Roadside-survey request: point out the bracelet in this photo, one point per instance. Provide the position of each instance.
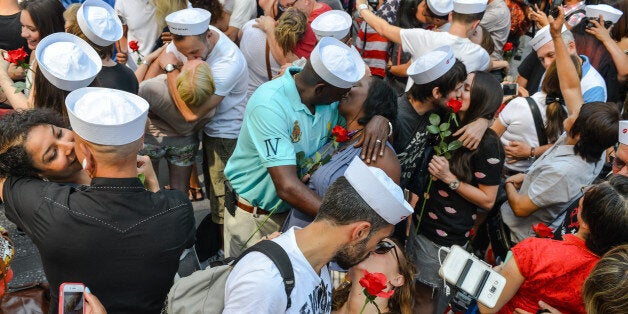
(146, 62)
(390, 132)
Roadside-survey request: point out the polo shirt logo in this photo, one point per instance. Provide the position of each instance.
(296, 132)
(270, 146)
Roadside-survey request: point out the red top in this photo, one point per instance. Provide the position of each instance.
(305, 46)
(555, 272)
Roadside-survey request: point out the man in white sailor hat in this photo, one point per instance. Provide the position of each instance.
(194, 38)
(465, 18)
(621, 155)
(358, 211)
(289, 116)
(592, 83)
(99, 24)
(334, 23)
(111, 234)
(610, 14)
(435, 14)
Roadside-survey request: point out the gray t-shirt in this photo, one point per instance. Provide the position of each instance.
(497, 21)
(553, 182)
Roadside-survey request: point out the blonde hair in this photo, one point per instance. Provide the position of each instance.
(165, 7)
(69, 15)
(196, 85)
(606, 289)
(290, 29)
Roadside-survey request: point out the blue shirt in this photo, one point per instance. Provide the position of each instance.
(276, 126)
(66, 3)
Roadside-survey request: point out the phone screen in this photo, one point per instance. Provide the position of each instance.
(72, 302)
(510, 89)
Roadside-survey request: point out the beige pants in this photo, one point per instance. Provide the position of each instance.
(239, 229)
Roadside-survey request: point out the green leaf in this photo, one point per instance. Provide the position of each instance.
(317, 157)
(446, 133)
(447, 155)
(437, 149)
(453, 115)
(444, 126)
(454, 145)
(432, 129)
(442, 146)
(434, 119)
(19, 87)
(326, 159)
(142, 178)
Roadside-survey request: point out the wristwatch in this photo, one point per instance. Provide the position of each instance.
(169, 67)
(363, 6)
(532, 157)
(454, 185)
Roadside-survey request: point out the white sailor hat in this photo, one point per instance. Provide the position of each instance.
(99, 22)
(337, 63)
(440, 7)
(67, 61)
(470, 6)
(609, 13)
(383, 195)
(432, 65)
(107, 116)
(623, 132)
(334, 23)
(542, 37)
(188, 22)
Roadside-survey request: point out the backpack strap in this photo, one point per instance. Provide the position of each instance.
(538, 121)
(281, 259)
(573, 13)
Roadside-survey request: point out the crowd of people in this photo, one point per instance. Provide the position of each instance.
(365, 138)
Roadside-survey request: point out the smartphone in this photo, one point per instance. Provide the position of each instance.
(71, 298)
(510, 89)
(472, 276)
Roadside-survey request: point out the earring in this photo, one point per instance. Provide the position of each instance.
(84, 163)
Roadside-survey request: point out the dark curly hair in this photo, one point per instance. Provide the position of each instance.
(15, 126)
(213, 6)
(380, 100)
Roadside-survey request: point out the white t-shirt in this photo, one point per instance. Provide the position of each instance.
(520, 127)
(255, 284)
(419, 41)
(242, 11)
(253, 47)
(139, 16)
(231, 79)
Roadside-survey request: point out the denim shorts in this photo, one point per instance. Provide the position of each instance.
(424, 255)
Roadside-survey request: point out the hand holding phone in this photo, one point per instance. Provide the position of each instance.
(71, 298)
(510, 89)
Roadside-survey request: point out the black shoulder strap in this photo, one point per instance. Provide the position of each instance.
(281, 259)
(575, 12)
(538, 121)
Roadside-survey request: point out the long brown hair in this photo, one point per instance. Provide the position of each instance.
(554, 112)
(400, 302)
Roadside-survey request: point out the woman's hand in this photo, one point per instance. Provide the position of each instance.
(516, 151)
(121, 57)
(92, 304)
(539, 17)
(167, 58)
(598, 30)
(265, 23)
(4, 64)
(373, 142)
(166, 37)
(472, 133)
(439, 168)
(517, 180)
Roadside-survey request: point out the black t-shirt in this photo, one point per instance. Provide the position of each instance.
(10, 36)
(532, 70)
(117, 238)
(448, 217)
(118, 77)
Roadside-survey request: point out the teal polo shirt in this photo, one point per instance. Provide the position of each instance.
(276, 126)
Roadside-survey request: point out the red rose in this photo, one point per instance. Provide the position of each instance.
(340, 134)
(543, 231)
(507, 47)
(16, 56)
(374, 283)
(134, 45)
(454, 104)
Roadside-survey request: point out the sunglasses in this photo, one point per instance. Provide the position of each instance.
(384, 247)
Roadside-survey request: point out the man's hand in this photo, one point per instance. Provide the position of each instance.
(538, 16)
(145, 167)
(121, 57)
(556, 24)
(517, 180)
(516, 151)
(167, 58)
(374, 140)
(472, 133)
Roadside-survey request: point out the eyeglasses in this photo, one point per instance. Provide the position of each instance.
(384, 247)
(289, 5)
(617, 163)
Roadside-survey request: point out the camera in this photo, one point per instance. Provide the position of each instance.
(373, 4)
(553, 11)
(607, 24)
(473, 276)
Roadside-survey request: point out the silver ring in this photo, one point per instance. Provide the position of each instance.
(378, 141)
